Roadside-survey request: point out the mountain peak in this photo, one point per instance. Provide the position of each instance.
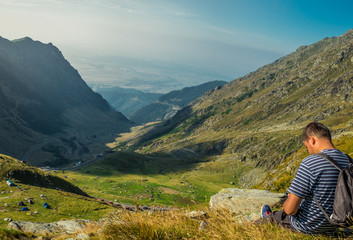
(24, 39)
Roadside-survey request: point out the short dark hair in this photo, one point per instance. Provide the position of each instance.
(316, 129)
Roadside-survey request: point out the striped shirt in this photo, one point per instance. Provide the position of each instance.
(316, 177)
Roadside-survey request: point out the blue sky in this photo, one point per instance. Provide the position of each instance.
(186, 42)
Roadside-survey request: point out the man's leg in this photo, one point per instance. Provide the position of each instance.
(278, 217)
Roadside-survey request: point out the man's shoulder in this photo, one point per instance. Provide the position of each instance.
(315, 159)
(311, 159)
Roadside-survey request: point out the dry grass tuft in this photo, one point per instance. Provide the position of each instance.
(175, 225)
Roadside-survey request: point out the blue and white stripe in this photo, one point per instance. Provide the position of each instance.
(316, 177)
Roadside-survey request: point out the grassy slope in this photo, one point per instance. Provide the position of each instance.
(69, 205)
(150, 180)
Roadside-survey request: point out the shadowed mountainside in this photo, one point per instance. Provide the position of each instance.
(127, 101)
(46, 108)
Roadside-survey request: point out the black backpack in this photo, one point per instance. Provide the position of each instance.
(342, 215)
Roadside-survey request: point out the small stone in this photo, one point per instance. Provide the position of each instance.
(203, 226)
(82, 236)
(7, 205)
(8, 219)
(231, 183)
(196, 214)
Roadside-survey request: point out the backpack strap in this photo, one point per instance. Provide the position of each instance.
(330, 159)
(322, 210)
(335, 164)
(350, 160)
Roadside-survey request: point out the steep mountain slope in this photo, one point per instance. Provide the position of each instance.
(46, 107)
(256, 120)
(167, 105)
(127, 101)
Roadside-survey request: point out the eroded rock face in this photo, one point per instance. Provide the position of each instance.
(244, 201)
(68, 226)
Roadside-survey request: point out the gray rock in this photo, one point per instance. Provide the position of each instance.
(35, 227)
(8, 219)
(68, 226)
(243, 201)
(248, 218)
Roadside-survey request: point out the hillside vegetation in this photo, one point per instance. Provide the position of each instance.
(67, 201)
(255, 121)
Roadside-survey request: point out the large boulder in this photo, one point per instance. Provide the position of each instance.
(244, 201)
(67, 226)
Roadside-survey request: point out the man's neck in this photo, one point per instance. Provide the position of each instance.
(325, 146)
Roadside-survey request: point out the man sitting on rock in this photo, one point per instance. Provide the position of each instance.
(315, 177)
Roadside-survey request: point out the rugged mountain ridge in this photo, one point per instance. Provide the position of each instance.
(255, 121)
(127, 101)
(46, 107)
(167, 105)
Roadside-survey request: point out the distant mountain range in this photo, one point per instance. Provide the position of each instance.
(48, 114)
(126, 100)
(254, 122)
(168, 104)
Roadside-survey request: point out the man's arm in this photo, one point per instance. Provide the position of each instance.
(291, 205)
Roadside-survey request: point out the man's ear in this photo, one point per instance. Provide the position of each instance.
(312, 140)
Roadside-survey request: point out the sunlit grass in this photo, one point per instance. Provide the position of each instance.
(176, 225)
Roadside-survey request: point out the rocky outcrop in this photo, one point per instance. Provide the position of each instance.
(67, 226)
(244, 201)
